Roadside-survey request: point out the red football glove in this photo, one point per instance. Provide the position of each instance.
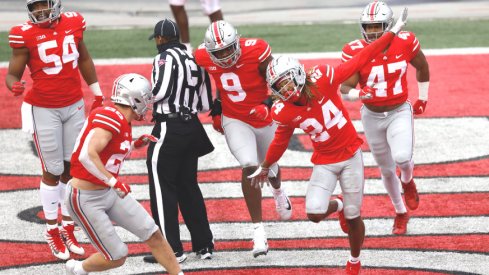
(367, 93)
(122, 189)
(97, 102)
(419, 106)
(18, 88)
(259, 112)
(217, 124)
(143, 141)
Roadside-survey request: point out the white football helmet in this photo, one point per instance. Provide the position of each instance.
(221, 42)
(286, 68)
(133, 90)
(376, 12)
(46, 16)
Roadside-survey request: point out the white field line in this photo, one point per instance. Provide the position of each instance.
(304, 56)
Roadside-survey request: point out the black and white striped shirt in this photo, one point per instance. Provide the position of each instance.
(178, 82)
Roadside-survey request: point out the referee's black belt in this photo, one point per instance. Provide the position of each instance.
(182, 116)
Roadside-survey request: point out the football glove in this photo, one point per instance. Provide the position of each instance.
(18, 88)
(121, 188)
(419, 106)
(217, 124)
(400, 23)
(97, 102)
(259, 177)
(367, 93)
(143, 141)
(259, 112)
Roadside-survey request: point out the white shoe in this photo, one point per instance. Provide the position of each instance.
(260, 244)
(55, 242)
(282, 204)
(69, 237)
(70, 268)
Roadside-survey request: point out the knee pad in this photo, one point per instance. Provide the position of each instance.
(121, 252)
(351, 211)
(402, 158)
(315, 206)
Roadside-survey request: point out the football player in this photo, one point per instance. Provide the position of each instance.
(51, 45)
(387, 116)
(96, 198)
(311, 102)
(238, 66)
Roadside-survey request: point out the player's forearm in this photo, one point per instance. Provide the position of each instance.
(87, 70)
(10, 80)
(92, 162)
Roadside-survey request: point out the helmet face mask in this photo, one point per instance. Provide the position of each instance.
(221, 42)
(286, 78)
(378, 16)
(133, 90)
(47, 15)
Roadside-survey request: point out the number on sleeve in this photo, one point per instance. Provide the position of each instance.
(357, 44)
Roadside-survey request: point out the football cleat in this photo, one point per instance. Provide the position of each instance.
(411, 194)
(70, 268)
(353, 268)
(260, 244)
(181, 257)
(400, 224)
(69, 237)
(55, 242)
(282, 205)
(341, 218)
(205, 253)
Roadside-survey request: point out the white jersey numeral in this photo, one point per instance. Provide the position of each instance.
(377, 78)
(230, 83)
(115, 161)
(70, 54)
(316, 130)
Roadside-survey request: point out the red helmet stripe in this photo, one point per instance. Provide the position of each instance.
(372, 10)
(215, 31)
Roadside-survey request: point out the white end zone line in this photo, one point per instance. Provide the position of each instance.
(304, 56)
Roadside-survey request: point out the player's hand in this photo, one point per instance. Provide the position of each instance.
(367, 93)
(97, 102)
(18, 88)
(419, 106)
(144, 140)
(121, 188)
(217, 124)
(401, 22)
(259, 112)
(259, 177)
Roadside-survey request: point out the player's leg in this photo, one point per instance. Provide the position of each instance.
(400, 135)
(73, 118)
(88, 208)
(130, 215)
(212, 9)
(241, 141)
(48, 139)
(264, 137)
(180, 14)
(321, 185)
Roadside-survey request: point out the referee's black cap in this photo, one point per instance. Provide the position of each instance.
(167, 28)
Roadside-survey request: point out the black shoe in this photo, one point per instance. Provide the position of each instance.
(205, 253)
(150, 259)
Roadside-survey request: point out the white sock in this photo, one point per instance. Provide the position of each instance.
(51, 226)
(406, 171)
(354, 260)
(65, 223)
(340, 205)
(79, 268)
(49, 200)
(62, 192)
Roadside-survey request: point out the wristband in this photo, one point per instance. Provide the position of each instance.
(112, 182)
(353, 94)
(423, 90)
(95, 88)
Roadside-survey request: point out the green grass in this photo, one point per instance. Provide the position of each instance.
(453, 33)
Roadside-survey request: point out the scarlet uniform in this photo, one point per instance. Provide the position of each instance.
(387, 72)
(53, 60)
(113, 154)
(325, 119)
(241, 86)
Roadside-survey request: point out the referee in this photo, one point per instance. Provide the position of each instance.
(181, 90)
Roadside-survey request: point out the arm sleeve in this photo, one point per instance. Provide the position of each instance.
(279, 143)
(16, 38)
(163, 76)
(343, 71)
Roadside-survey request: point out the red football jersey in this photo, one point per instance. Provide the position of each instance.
(324, 118)
(113, 154)
(53, 60)
(241, 87)
(387, 72)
